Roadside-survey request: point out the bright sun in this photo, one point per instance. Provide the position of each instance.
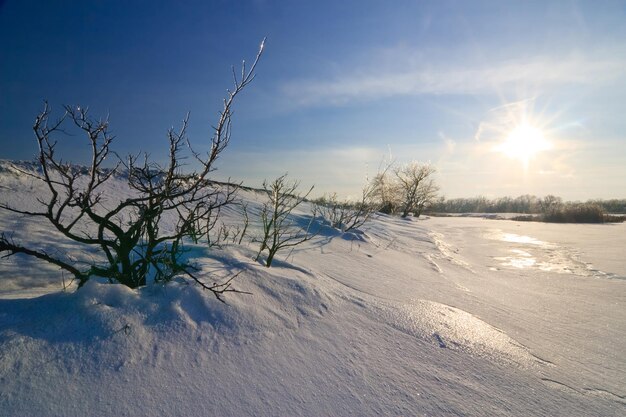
(523, 143)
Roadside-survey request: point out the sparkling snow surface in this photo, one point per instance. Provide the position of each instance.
(438, 316)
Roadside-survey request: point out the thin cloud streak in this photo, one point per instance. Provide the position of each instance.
(485, 79)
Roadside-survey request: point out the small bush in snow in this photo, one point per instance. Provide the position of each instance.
(345, 215)
(282, 229)
(130, 233)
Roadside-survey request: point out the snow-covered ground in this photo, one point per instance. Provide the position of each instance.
(441, 317)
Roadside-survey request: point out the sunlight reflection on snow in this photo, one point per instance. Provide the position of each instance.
(513, 238)
(522, 259)
(537, 254)
(456, 329)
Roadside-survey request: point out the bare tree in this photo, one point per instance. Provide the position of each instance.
(128, 233)
(427, 193)
(416, 186)
(280, 228)
(385, 189)
(550, 205)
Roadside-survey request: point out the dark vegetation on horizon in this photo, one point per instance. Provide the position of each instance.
(532, 208)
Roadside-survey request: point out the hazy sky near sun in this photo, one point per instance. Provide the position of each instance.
(341, 86)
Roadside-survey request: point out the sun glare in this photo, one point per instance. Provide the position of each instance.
(523, 143)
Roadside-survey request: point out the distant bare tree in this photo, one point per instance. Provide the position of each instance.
(550, 205)
(417, 187)
(280, 228)
(427, 196)
(128, 232)
(385, 190)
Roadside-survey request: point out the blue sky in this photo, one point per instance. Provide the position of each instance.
(341, 86)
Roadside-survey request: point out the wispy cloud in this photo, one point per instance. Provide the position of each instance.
(449, 143)
(500, 120)
(494, 77)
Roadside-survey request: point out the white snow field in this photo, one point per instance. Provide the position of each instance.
(437, 317)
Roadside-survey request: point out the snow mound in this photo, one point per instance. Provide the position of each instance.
(452, 328)
(165, 345)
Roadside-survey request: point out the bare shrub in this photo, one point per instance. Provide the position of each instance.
(129, 233)
(280, 228)
(345, 215)
(576, 213)
(385, 190)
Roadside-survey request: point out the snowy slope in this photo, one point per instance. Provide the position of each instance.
(442, 317)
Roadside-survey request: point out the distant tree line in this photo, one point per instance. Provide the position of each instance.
(549, 208)
(523, 204)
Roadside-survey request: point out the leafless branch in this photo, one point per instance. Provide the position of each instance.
(279, 228)
(128, 232)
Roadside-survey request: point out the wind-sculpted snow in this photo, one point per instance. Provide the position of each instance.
(447, 252)
(451, 328)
